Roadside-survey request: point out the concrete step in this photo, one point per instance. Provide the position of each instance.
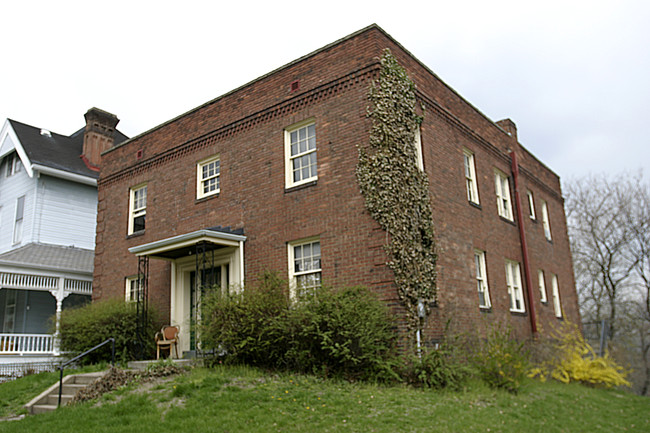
(48, 400)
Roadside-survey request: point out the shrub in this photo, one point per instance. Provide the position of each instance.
(439, 368)
(572, 359)
(344, 332)
(85, 327)
(501, 360)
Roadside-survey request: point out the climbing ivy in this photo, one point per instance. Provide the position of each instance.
(396, 191)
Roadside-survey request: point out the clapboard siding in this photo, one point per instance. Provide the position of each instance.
(67, 213)
(11, 188)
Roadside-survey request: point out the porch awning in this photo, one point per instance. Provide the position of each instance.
(183, 245)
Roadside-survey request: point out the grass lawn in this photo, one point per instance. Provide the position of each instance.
(239, 399)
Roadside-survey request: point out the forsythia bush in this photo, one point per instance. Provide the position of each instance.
(501, 361)
(574, 360)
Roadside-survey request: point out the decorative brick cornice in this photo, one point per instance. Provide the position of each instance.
(311, 97)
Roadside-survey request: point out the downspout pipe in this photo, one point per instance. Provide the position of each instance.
(524, 245)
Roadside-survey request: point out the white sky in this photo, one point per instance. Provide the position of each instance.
(574, 75)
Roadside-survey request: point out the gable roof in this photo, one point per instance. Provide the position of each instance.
(51, 257)
(54, 150)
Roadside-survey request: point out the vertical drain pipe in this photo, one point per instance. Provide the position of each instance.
(524, 245)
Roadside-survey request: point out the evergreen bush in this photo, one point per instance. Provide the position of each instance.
(85, 327)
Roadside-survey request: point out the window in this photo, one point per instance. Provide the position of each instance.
(133, 290)
(137, 209)
(208, 174)
(531, 205)
(418, 149)
(502, 187)
(300, 151)
(304, 267)
(545, 221)
(542, 286)
(481, 279)
(556, 297)
(18, 224)
(14, 165)
(470, 176)
(513, 280)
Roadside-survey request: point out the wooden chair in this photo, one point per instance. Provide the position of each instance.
(166, 338)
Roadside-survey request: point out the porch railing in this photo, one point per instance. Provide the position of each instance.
(22, 344)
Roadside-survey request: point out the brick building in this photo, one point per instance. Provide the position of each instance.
(263, 178)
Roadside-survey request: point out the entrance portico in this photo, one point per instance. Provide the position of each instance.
(200, 260)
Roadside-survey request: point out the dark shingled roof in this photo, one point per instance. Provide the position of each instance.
(50, 256)
(56, 151)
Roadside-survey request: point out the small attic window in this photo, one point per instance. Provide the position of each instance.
(295, 85)
(46, 133)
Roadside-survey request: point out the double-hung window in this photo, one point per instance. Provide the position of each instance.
(300, 151)
(481, 279)
(502, 188)
(208, 177)
(513, 281)
(14, 165)
(531, 205)
(556, 297)
(133, 289)
(470, 176)
(542, 286)
(137, 209)
(304, 267)
(18, 222)
(545, 221)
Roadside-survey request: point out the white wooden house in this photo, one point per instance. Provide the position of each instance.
(48, 211)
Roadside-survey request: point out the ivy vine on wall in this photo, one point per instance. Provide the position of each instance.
(396, 191)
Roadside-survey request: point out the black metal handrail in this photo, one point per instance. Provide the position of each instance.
(111, 340)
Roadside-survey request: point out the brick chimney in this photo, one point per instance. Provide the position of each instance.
(508, 126)
(98, 136)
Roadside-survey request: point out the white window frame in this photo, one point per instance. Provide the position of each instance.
(502, 189)
(418, 149)
(481, 279)
(545, 221)
(295, 276)
(557, 305)
(542, 286)
(515, 289)
(19, 220)
(137, 212)
(212, 180)
(290, 158)
(14, 164)
(531, 205)
(129, 290)
(470, 176)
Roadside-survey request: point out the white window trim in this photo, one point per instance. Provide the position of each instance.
(481, 278)
(288, 159)
(470, 182)
(418, 149)
(542, 286)
(127, 289)
(19, 221)
(134, 213)
(545, 221)
(557, 306)
(515, 290)
(200, 180)
(293, 282)
(531, 205)
(502, 189)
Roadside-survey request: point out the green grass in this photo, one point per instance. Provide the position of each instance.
(239, 399)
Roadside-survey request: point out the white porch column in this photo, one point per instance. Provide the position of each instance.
(59, 294)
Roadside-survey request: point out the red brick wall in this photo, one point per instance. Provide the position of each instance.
(245, 128)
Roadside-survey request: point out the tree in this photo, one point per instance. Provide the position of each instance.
(609, 228)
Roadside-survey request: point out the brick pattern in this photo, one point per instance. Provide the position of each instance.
(245, 128)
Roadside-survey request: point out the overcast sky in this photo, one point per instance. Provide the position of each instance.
(574, 75)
